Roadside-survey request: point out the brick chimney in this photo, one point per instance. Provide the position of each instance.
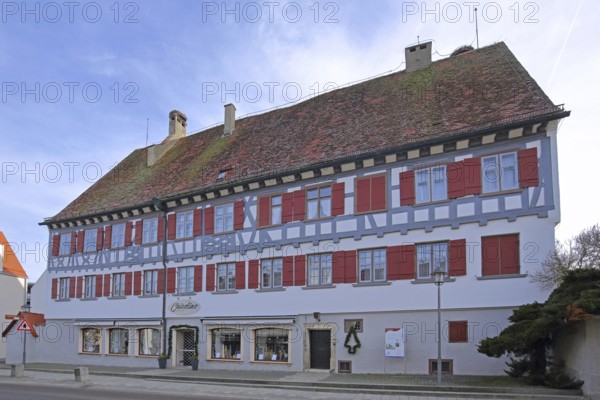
(418, 56)
(229, 119)
(177, 124)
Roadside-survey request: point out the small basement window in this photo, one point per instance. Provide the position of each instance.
(446, 367)
(344, 367)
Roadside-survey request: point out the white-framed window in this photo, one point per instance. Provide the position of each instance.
(90, 287)
(63, 292)
(118, 285)
(149, 230)
(372, 265)
(500, 172)
(90, 340)
(185, 280)
(89, 240)
(271, 273)
(65, 244)
(118, 341)
(150, 282)
(430, 257)
(276, 210)
(318, 202)
(319, 269)
(224, 218)
(149, 342)
(118, 236)
(226, 276)
(271, 344)
(226, 343)
(431, 184)
(185, 224)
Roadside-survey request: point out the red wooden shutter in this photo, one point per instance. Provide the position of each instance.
(128, 231)
(300, 270)
(240, 275)
(137, 283)
(393, 258)
(456, 180)
(238, 215)
(98, 286)
(80, 241)
(107, 237)
(363, 195)
(458, 331)
(528, 168)
(472, 173)
(160, 282)
(253, 274)
(79, 287)
(338, 198)
(287, 207)
(338, 266)
(160, 230)
(407, 188)
(378, 193)
(171, 226)
(350, 266)
(138, 232)
(210, 278)
(288, 271)
(198, 278)
(106, 285)
(407, 262)
(99, 239)
(299, 205)
(197, 222)
(55, 245)
(128, 281)
(490, 256)
(209, 222)
(54, 288)
(264, 211)
(171, 280)
(73, 242)
(72, 293)
(509, 254)
(457, 254)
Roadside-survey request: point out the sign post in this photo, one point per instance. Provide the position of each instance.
(24, 327)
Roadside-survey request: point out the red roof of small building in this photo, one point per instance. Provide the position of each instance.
(469, 92)
(12, 265)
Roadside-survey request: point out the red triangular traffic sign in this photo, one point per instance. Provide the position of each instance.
(24, 326)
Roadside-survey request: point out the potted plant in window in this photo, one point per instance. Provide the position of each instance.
(162, 361)
(195, 362)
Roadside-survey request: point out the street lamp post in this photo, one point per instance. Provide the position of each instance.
(438, 279)
(162, 206)
(25, 308)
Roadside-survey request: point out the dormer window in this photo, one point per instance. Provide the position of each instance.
(221, 175)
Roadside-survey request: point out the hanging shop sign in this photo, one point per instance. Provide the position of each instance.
(185, 307)
(394, 342)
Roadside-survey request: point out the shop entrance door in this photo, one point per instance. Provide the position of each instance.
(320, 349)
(185, 347)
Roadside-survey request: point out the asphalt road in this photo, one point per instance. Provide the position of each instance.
(18, 391)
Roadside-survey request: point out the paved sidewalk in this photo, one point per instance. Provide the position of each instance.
(263, 384)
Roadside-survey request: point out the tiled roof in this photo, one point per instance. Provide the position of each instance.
(12, 265)
(472, 91)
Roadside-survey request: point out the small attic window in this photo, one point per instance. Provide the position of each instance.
(221, 175)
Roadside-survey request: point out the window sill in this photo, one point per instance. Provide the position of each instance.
(118, 355)
(62, 300)
(85, 353)
(149, 296)
(501, 192)
(224, 292)
(185, 294)
(116, 297)
(370, 212)
(88, 299)
(431, 203)
(365, 284)
(146, 356)
(233, 360)
(286, 363)
(265, 290)
(507, 276)
(318, 287)
(430, 280)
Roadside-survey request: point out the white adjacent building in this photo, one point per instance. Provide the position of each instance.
(286, 230)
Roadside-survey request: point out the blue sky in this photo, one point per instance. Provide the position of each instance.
(81, 81)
